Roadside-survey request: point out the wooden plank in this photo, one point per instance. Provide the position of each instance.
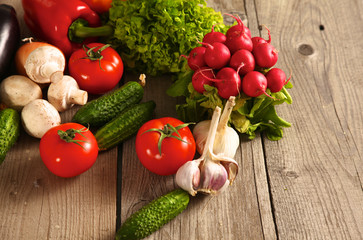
(35, 204)
(257, 151)
(315, 171)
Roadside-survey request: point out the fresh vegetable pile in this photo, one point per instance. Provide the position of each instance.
(228, 78)
(234, 64)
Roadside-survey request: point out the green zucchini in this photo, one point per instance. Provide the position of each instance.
(124, 125)
(154, 215)
(99, 111)
(9, 130)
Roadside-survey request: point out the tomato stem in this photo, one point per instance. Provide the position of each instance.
(69, 135)
(95, 55)
(168, 131)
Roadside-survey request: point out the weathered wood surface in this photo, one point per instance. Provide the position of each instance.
(306, 186)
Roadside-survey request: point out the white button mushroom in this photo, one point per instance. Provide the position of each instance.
(17, 91)
(38, 117)
(64, 92)
(43, 62)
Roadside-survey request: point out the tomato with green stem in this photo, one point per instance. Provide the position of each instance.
(68, 150)
(163, 145)
(97, 68)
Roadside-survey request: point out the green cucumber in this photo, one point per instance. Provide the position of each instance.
(124, 125)
(154, 215)
(9, 130)
(99, 111)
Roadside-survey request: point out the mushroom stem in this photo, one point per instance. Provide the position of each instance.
(64, 92)
(77, 96)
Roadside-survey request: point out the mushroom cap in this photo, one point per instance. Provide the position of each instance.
(43, 62)
(38, 117)
(16, 91)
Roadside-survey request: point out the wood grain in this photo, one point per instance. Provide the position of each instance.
(315, 171)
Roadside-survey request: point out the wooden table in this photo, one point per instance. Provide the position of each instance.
(306, 186)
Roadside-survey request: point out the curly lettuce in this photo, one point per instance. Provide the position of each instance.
(152, 35)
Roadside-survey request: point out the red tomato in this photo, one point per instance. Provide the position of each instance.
(174, 152)
(68, 159)
(97, 71)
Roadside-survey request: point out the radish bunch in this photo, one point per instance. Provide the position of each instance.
(230, 62)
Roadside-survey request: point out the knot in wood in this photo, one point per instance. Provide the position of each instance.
(305, 49)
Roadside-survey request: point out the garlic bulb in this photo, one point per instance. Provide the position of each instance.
(211, 173)
(226, 140)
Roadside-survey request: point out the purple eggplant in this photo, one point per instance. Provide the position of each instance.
(9, 38)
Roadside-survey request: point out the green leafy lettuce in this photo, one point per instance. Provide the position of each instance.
(151, 35)
(249, 115)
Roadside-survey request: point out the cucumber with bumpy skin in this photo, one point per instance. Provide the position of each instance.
(9, 130)
(154, 215)
(99, 111)
(124, 125)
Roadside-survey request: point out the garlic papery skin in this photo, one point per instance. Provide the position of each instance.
(215, 172)
(200, 133)
(226, 140)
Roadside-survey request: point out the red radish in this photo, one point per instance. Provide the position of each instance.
(242, 41)
(237, 29)
(276, 79)
(213, 37)
(201, 77)
(238, 37)
(242, 61)
(196, 58)
(228, 82)
(254, 84)
(217, 55)
(265, 55)
(258, 40)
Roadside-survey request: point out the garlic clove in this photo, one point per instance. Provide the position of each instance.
(214, 177)
(230, 165)
(188, 176)
(226, 144)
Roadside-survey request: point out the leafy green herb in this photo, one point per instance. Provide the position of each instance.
(151, 35)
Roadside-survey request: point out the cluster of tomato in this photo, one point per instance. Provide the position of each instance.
(97, 68)
(233, 63)
(69, 149)
(163, 157)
